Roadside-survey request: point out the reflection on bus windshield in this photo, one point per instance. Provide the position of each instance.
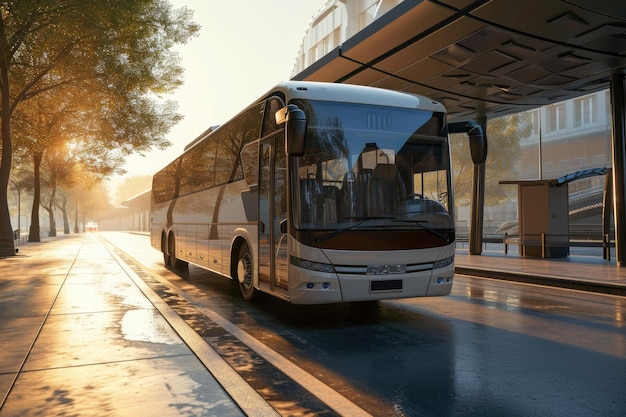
(365, 162)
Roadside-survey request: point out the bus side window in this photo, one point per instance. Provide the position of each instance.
(249, 162)
(232, 138)
(272, 105)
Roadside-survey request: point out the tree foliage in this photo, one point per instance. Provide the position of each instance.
(503, 136)
(100, 66)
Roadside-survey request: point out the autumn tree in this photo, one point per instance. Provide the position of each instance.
(42, 125)
(116, 54)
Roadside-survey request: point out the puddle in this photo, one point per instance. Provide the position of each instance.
(147, 326)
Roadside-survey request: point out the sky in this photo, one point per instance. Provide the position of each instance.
(244, 48)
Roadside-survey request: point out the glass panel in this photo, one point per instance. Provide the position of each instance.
(281, 265)
(544, 143)
(389, 166)
(264, 212)
(249, 162)
(200, 165)
(513, 152)
(233, 137)
(272, 105)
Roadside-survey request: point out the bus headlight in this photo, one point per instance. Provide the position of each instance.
(443, 263)
(312, 266)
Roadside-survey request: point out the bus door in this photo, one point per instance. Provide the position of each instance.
(273, 259)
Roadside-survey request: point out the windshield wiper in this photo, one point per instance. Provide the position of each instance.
(345, 229)
(421, 224)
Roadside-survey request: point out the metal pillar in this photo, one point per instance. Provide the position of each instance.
(607, 208)
(478, 202)
(618, 134)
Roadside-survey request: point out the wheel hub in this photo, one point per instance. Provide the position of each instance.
(243, 272)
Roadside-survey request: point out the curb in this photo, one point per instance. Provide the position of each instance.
(550, 281)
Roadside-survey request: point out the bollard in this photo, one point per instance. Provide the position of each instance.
(606, 247)
(506, 244)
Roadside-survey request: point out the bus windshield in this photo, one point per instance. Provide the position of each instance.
(372, 167)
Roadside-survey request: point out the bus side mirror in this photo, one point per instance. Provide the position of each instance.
(477, 138)
(295, 129)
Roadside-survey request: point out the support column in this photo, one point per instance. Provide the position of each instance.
(618, 134)
(607, 210)
(478, 201)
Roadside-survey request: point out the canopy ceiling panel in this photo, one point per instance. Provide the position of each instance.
(429, 45)
(492, 56)
(421, 19)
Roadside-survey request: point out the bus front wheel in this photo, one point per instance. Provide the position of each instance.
(244, 273)
(174, 262)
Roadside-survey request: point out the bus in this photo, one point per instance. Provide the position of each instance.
(316, 193)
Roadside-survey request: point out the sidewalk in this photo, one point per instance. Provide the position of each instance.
(82, 336)
(585, 273)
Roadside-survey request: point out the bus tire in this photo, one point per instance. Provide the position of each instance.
(166, 254)
(174, 262)
(244, 273)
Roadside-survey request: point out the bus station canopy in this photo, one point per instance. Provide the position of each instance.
(490, 58)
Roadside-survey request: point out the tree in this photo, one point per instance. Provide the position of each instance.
(116, 54)
(503, 135)
(58, 170)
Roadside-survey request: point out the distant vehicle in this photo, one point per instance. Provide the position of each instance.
(316, 193)
(91, 227)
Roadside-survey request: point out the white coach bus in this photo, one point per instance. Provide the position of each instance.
(316, 193)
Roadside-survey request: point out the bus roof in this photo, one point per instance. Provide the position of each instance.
(345, 93)
(350, 93)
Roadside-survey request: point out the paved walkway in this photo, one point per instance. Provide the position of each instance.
(585, 273)
(82, 335)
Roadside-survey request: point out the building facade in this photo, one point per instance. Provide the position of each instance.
(337, 21)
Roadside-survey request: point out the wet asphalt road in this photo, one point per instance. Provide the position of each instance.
(492, 348)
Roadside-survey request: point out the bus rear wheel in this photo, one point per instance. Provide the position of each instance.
(244, 272)
(165, 251)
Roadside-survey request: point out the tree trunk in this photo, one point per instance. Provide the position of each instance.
(66, 221)
(76, 230)
(35, 231)
(51, 211)
(52, 231)
(7, 244)
(48, 210)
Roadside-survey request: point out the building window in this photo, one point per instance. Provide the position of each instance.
(367, 12)
(556, 117)
(323, 36)
(598, 159)
(585, 111)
